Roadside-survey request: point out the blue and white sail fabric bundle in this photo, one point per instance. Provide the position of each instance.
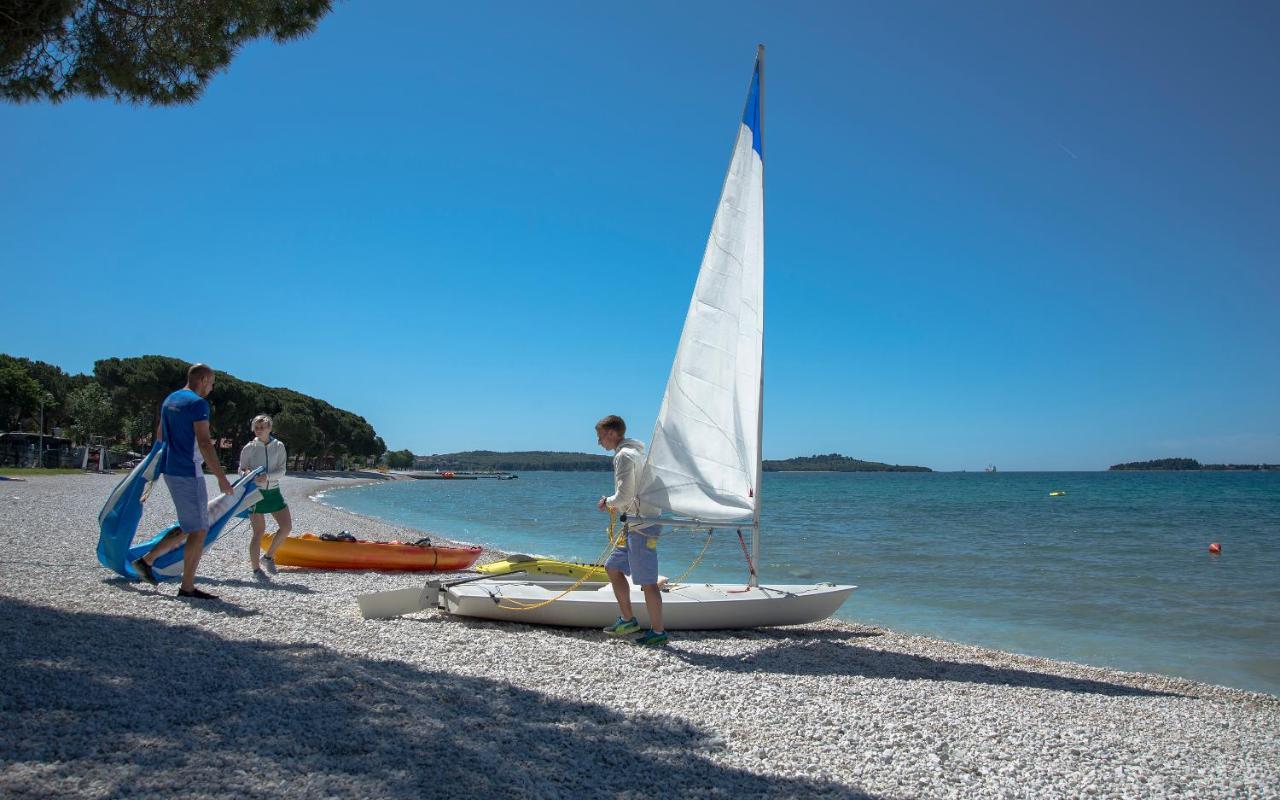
(118, 521)
(704, 457)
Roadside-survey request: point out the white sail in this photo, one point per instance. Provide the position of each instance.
(704, 456)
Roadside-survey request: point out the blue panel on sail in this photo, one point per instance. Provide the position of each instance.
(118, 521)
(751, 116)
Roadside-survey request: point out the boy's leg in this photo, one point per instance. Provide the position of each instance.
(644, 571)
(653, 602)
(621, 591)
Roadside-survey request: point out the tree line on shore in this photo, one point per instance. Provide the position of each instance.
(120, 403)
(1176, 464)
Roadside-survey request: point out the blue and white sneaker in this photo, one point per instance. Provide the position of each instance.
(652, 639)
(623, 627)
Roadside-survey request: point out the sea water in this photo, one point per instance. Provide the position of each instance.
(1116, 572)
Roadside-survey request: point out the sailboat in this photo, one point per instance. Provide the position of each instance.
(704, 466)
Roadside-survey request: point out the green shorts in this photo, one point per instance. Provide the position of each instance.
(271, 502)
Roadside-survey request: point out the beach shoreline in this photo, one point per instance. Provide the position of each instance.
(283, 690)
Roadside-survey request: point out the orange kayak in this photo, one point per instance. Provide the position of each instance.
(308, 550)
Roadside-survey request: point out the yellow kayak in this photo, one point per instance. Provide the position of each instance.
(545, 566)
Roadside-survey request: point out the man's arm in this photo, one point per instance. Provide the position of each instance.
(624, 484)
(211, 455)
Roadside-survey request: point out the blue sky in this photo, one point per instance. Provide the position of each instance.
(1043, 237)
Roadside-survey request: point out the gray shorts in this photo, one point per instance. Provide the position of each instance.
(639, 559)
(191, 499)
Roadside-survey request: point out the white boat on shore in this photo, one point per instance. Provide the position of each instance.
(704, 467)
(548, 600)
(684, 606)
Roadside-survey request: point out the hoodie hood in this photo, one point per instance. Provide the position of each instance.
(630, 444)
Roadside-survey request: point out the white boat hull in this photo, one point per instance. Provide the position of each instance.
(684, 607)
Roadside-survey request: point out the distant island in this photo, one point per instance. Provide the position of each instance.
(488, 460)
(834, 462)
(1174, 464)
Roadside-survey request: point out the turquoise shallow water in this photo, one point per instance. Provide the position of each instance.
(1115, 573)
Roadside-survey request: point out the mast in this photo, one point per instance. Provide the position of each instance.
(755, 517)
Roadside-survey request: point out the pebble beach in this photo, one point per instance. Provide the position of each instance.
(281, 689)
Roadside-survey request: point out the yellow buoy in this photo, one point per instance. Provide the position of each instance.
(1056, 494)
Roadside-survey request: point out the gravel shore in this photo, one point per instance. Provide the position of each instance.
(116, 689)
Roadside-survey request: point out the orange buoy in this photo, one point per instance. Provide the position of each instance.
(1215, 548)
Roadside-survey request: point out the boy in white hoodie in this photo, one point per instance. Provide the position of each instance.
(266, 451)
(638, 555)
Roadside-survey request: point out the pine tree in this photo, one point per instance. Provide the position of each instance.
(152, 51)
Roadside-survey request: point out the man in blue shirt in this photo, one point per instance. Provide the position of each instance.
(184, 427)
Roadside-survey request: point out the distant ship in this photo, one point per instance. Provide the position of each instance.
(990, 468)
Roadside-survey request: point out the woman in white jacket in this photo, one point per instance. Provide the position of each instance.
(268, 452)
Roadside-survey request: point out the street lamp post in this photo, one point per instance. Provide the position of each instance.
(45, 397)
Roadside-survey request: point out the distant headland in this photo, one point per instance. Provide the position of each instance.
(834, 462)
(523, 461)
(1175, 464)
(482, 460)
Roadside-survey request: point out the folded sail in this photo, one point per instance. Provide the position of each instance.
(704, 457)
(222, 509)
(122, 513)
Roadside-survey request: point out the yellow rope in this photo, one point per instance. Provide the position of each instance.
(520, 605)
(696, 561)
